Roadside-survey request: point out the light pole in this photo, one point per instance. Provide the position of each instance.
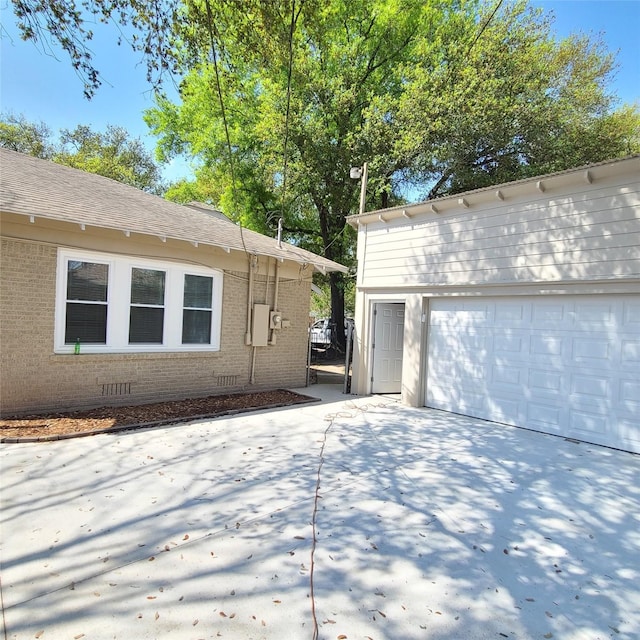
(360, 173)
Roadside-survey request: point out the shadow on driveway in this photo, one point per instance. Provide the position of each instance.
(420, 524)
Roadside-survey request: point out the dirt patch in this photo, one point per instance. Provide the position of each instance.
(55, 426)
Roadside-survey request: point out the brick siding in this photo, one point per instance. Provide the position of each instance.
(34, 378)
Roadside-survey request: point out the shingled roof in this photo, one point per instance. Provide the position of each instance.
(43, 189)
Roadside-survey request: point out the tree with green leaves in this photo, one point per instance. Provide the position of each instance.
(506, 101)
(113, 153)
(279, 98)
(276, 114)
(446, 96)
(148, 27)
(31, 138)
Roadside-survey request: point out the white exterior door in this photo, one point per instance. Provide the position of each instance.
(567, 365)
(388, 333)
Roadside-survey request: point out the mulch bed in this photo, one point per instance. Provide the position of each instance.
(59, 426)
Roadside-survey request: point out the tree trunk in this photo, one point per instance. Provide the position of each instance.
(336, 282)
(329, 228)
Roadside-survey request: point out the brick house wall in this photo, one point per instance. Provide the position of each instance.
(34, 378)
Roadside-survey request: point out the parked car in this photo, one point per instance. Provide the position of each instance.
(321, 331)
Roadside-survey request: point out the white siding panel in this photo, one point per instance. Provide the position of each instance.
(591, 235)
(568, 365)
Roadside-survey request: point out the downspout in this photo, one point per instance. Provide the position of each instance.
(275, 299)
(266, 293)
(252, 378)
(253, 263)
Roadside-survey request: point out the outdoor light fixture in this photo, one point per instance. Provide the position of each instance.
(360, 173)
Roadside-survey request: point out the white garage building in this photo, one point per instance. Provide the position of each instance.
(518, 304)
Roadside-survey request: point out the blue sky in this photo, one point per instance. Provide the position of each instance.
(44, 87)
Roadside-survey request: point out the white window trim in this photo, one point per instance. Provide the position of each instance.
(119, 298)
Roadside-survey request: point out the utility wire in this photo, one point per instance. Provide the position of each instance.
(336, 237)
(212, 38)
(285, 154)
(211, 28)
(485, 25)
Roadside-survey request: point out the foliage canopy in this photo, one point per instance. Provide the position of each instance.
(279, 98)
(112, 154)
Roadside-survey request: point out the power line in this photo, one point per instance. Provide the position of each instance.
(210, 29)
(285, 160)
(485, 25)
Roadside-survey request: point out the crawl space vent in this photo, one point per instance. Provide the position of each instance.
(116, 389)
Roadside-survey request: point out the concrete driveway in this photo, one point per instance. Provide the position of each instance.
(425, 525)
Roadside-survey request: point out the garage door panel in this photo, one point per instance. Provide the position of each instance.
(514, 315)
(588, 425)
(544, 381)
(631, 316)
(460, 371)
(629, 435)
(504, 409)
(629, 396)
(542, 344)
(464, 315)
(471, 402)
(550, 315)
(630, 353)
(568, 365)
(593, 388)
(543, 417)
(507, 376)
(596, 350)
(511, 343)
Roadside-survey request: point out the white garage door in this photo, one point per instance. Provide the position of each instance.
(568, 365)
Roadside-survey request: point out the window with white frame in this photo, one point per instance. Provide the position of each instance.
(86, 302)
(197, 311)
(110, 303)
(146, 316)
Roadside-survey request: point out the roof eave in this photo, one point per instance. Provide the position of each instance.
(321, 265)
(466, 199)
